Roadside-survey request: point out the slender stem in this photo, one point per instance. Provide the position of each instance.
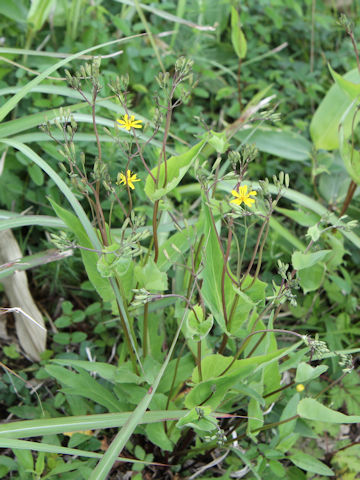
(145, 330)
(260, 256)
(198, 361)
(239, 84)
(246, 340)
(166, 133)
(254, 254)
(155, 236)
(348, 198)
(225, 259)
(127, 340)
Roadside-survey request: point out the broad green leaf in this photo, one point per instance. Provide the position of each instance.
(212, 273)
(313, 410)
(86, 386)
(301, 260)
(350, 88)
(176, 245)
(90, 259)
(311, 278)
(289, 411)
(306, 372)
(237, 36)
(198, 327)
(255, 413)
(104, 370)
(310, 464)
(241, 314)
(305, 218)
(150, 277)
(156, 434)
(350, 157)
(326, 120)
(212, 389)
(36, 175)
(280, 143)
(271, 375)
(176, 169)
(219, 142)
(14, 10)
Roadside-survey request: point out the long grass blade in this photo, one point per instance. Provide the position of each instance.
(52, 426)
(104, 466)
(12, 102)
(46, 447)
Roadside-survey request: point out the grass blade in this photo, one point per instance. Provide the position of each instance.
(51, 426)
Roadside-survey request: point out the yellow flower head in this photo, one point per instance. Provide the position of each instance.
(127, 179)
(129, 122)
(300, 388)
(242, 196)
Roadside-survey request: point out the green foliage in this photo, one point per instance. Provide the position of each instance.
(186, 319)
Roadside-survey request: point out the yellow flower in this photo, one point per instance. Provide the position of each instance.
(242, 196)
(129, 122)
(300, 388)
(128, 179)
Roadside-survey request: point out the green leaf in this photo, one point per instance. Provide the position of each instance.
(211, 274)
(306, 372)
(301, 260)
(39, 12)
(313, 410)
(178, 244)
(197, 327)
(212, 389)
(104, 370)
(14, 10)
(311, 278)
(22, 450)
(90, 259)
(310, 464)
(280, 143)
(86, 386)
(150, 277)
(24, 458)
(237, 36)
(176, 169)
(255, 413)
(350, 88)
(286, 428)
(36, 174)
(219, 142)
(53, 426)
(156, 434)
(350, 157)
(326, 120)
